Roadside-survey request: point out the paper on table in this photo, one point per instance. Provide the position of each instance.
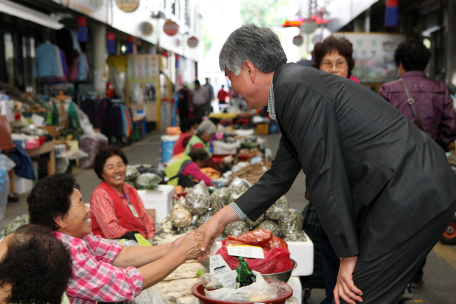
(220, 269)
(246, 251)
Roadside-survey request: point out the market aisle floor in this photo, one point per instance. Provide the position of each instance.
(440, 270)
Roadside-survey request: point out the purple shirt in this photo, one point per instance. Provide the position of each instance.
(432, 101)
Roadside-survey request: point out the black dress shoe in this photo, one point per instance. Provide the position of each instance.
(13, 199)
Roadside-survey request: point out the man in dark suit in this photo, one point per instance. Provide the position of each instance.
(383, 190)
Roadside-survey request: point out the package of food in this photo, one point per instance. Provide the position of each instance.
(165, 239)
(291, 223)
(279, 209)
(219, 199)
(272, 226)
(205, 217)
(185, 271)
(131, 174)
(299, 236)
(198, 200)
(258, 237)
(165, 227)
(238, 186)
(256, 223)
(236, 228)
(234, 196)
(147, 181)
(180, 216)
(201, 185)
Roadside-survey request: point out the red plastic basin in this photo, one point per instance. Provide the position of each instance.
(198, 291)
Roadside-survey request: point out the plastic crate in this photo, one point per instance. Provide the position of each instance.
(262, 128)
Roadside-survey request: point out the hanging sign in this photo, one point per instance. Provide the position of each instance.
(192, 42)
(127, 6)
(130, 44)
(298, 40)
(82, 30)
(170, 28)
(146, 28)
(292, 23)
(111, 43)
(143, 68)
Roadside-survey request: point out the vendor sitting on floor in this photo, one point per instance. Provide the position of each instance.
(204, 133)
(103, 270)
(117, 210)
(187, 127)
(35, 267)
(182, 171)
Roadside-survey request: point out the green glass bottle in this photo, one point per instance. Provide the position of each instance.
(248, 272)
(241, 280)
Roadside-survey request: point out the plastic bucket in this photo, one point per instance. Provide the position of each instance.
(198, 291)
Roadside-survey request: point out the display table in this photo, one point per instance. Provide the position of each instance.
(301, 252)
(47, 147)
(158, 202)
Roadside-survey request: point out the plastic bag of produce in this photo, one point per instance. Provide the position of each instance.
(299, 236)
(238, 186)
(131, 174)
(219, 199)
(180, 216)
(275, 260)
(272, 226)
(258, 291)
(205, 217)
(16, 223)
(256, 223)
(198, 200)
(279, 209)
(291, 223)
(258, 237)
(201, 185)
(185, 230)
(147, 181)
(165, 227)
(236, 228)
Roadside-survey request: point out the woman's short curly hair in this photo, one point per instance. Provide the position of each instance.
(50, 197)
(102, 157)
(340, 44)
(413, 55)
(37, 265)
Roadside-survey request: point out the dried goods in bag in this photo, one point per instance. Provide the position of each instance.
(187, 229)
(219, 199)
(131, 174)
(299, 236)
(238, 186)
(147, 181)
(205, 217)
(291, 223)
(279, 209)
(236, 228)
(198, 200)
(180, 216)
(256, 223)
(272, 226)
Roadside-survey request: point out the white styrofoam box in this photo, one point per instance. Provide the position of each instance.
(295, 284)
(23, 185)
(160, 199)
(301, 252)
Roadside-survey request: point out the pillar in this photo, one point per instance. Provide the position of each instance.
(99, 56)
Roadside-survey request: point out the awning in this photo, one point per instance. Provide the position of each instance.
(23, 12)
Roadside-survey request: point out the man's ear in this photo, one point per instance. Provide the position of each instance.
(60, 221)
(250, 69)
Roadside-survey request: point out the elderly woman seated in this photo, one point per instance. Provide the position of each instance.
(182, 171)
(103, 270)
(117, 210)
(34, 267)
(204, 133)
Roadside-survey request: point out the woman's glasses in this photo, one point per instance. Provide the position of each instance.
(339, 64)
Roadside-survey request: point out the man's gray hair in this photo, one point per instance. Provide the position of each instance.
(260, 46)
(206, 126)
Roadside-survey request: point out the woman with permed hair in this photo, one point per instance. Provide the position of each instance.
(335, 55)
(103, 270)
(117, 210)
(34, 267)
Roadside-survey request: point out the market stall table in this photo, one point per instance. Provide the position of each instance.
(47, 147)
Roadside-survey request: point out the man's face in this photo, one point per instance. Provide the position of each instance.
(243, 85)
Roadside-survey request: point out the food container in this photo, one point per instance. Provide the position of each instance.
(281, 276)
(198, 291)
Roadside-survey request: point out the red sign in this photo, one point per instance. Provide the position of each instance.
(292, 23)
(298, 40)
(192, 42)
(170, 28)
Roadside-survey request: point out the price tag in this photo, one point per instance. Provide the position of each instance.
(246, 251)
(220, 269)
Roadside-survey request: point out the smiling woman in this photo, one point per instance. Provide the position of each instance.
(117, 209)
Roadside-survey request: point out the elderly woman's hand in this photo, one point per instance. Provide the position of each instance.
(190, 246)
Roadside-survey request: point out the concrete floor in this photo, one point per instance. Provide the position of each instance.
(439, 272)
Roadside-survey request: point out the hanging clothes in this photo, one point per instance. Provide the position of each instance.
(48, 63)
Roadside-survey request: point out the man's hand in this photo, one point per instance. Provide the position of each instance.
(210, 230)
(345, 288)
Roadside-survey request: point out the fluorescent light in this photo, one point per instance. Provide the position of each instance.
(26, 13)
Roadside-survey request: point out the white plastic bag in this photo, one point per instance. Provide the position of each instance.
(7, 163)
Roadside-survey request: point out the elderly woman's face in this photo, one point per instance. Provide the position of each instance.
(334, 63)
(76, 222)
(114, 171)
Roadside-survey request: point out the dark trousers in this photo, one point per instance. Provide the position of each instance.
(383, 279)
(331, 263)
(199, 111)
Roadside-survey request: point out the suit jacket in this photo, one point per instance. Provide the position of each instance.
(374, 178)
(432, 101)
